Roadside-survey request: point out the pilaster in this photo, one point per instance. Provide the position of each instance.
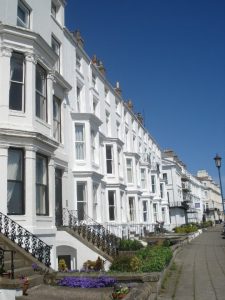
(5, 55)
(30, 185)
(3, 178)
(31, 61)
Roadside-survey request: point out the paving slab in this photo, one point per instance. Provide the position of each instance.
(199, 272)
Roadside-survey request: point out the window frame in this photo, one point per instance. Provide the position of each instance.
(58, 137)
(129, 169)
(132, 211)
(143, 178)
(41, 95)
(145, 210)
(112, 207)
(45, 186)
(56, 47)
(80, 142)
(21, 83)
(109, 159)
(22, 181)
(84, 200)
(153, 184)
(27, 13)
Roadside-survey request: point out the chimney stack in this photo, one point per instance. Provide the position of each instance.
(139, 117)
(80, 40)
(130, 104)
(117, 88)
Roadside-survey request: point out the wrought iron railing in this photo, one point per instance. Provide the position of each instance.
(25, 239)
(2, 262)
(92, 231)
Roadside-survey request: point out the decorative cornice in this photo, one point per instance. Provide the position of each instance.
(6, 51)
(31, 57)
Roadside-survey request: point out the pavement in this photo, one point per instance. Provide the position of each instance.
(198, 271)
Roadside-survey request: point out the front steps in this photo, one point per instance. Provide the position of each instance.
(22, 266)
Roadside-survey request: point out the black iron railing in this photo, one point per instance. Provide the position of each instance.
(25, 239)
(92, 231)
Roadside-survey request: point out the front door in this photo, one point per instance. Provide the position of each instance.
(58, 197)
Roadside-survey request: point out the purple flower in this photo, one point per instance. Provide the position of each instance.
(84, 282)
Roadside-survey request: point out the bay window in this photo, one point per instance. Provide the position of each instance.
(16, 92)
(42, 206)
(41, 93)
(15, 182)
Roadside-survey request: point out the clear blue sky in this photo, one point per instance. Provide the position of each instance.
(169, 56)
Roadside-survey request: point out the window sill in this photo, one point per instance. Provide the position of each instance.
(16, 113)
(42, 122)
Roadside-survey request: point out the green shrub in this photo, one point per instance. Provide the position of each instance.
(149, 259)
(121, 264)
(154, 259)
(186, 228)
(130, 245)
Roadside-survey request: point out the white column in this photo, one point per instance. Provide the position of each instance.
(5, 55)
(31, 61)
(30, 186)
(3, 178)
(51, 187)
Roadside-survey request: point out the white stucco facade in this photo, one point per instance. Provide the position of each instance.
(67, 137)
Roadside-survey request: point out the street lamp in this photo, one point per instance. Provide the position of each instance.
(218, 159)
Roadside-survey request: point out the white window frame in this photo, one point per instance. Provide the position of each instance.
(80, 143)
(78, 62)
(93, 145)
(16, 55)
(112, 206)
(57, 122)
(129, 170)
(143, 178)
(94, 80)
(155, 212)
(84, 200)
(42, 204)
(78, 98)
(42, 95)
(109, 159)
(54, 9)
(56, 45)
(132, 212)
(145, 210)
(26, 10)
(153, 184)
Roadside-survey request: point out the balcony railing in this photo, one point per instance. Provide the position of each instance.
(25, 239)
(186, 186)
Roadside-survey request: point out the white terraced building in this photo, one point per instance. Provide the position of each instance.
(185, 192)
(70, 146)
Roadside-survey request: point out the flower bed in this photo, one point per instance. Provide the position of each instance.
(87, 282)
(149, 259)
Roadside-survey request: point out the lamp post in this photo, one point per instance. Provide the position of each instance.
(218, 159)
